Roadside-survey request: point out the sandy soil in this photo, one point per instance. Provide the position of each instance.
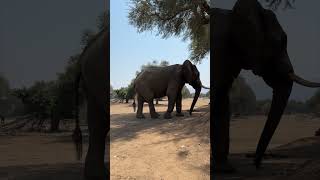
(168, 149)
(160, 148)
(179, 148)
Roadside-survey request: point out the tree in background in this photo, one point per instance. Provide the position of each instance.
(294, 107)
(185, 92)
(174, 18)
(4, 90)
(39, 100)
(153, 64)
(314, 103)
(207, 94)
(56, 99)
(243, 99)
(186, 19)
(4, 87)
(263, 106)
(111, 92)
(121, 94)
(130, 91)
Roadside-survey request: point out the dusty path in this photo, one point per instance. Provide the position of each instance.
(160, 148)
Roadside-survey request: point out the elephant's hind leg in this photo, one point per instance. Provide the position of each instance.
(171, 102)
(98, 129)
(140, 108)
(153, 112)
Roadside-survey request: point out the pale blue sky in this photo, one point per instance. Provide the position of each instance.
(130, 49)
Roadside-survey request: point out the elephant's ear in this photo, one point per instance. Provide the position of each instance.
(188, 71)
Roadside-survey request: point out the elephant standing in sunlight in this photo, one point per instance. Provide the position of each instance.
(166, 81)
(247, 37)
(94, 73)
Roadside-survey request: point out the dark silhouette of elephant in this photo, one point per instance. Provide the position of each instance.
(247, 37)
(166, 81)
(94, 73)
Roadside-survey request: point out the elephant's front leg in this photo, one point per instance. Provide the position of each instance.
(153, 112)
(220, 130)
(172, 95)
(179, 104)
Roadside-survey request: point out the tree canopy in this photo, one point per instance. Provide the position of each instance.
(56, 99)
(187, 19)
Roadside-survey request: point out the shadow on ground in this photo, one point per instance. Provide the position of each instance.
(294, 161)
(65, 171)
(127, 127)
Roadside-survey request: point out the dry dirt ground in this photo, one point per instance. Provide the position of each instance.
(160, 148)
(168, 149)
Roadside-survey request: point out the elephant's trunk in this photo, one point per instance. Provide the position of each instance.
(195, 98)
(302, 81)
(279, 101)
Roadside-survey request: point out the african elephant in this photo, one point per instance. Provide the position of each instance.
(166, 81)
(94, 73)
(247, 37)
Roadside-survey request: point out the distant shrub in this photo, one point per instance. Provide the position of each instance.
(314, 103)
(294, 107)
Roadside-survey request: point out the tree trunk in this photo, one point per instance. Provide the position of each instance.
(55, 121)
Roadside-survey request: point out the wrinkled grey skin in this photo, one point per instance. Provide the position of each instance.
(166, 81)
(94, 62)
(248, 37)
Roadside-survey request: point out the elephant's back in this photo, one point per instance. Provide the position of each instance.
(154, 80)
(95, 65)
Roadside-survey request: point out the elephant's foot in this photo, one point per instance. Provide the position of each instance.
(223, 167)
(140, 116)
(155, 115)
(91, 173)
(93, 177)
(167, 115)
(179, 114)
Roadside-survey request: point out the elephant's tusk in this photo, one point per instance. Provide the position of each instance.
(302, 81)
(204, 87)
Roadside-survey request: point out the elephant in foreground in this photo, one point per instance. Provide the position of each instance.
(247, 37)
(94, 73)
(166, 81)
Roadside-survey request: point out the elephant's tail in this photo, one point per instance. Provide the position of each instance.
(77, 135)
